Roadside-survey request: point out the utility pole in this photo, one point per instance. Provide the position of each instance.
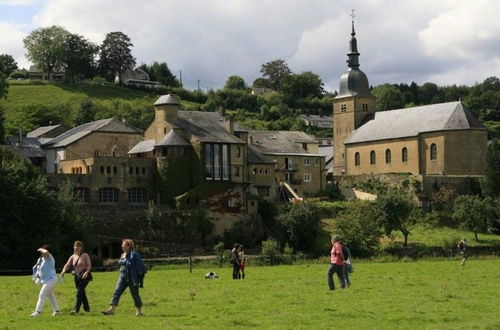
(198, 85)
(180, 77)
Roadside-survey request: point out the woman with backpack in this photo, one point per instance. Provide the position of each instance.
(132, 271)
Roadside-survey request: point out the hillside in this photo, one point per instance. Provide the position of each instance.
(29, 105)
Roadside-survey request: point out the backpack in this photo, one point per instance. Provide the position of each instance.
(345, 252)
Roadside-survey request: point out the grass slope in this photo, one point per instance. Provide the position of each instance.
(416, 295)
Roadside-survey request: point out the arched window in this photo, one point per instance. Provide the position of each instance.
(387, 156)
(357, 159)
(373, 158)
(109, 195)
(433, 151)
(404, 155)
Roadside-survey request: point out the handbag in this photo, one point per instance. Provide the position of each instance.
(89, 276)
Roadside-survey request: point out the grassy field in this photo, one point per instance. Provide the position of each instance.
(414, 295)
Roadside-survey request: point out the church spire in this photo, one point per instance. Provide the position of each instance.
(353, 55)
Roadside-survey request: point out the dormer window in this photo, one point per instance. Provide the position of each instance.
(343, 107)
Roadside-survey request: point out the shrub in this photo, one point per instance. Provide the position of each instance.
(271, 249)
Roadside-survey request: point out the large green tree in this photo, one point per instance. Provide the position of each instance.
(46, 48)
(3, 92)
(159, 71)
(79, 57)
(277, 71)
(303, 85)
(235, 82)
(388, 97)
(491, 182)
(7, 64)
(473, 213)
(116, 54)
(394, 212)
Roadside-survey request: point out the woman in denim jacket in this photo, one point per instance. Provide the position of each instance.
(132, 272)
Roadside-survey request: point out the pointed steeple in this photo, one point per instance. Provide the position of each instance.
(353, 55)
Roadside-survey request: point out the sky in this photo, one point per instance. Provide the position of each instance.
(442, 41)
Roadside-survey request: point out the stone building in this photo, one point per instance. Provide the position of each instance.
(428, 141)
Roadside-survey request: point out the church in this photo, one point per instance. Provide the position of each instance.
(431, 142)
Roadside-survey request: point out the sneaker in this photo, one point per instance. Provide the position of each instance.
(73, 312)
(139, 314)
(56, 313)
(35, 314)
(108, 312)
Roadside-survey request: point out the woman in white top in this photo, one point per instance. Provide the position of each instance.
(44, 274)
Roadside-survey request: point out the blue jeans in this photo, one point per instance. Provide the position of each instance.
(347, 270)
(334, 268)
(122, 283)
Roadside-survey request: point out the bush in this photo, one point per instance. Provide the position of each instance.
(271, 249)
(219, 252)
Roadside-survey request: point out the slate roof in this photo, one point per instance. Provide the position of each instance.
(29, 147)
(206, 126)
(143, 146)
(173, 139)
(353, 82)
(256, 157)
(103, 125)
(42, 130)
(280, 142)
(327, 152)
(410, 122)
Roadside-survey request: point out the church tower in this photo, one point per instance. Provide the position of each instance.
(351, 107)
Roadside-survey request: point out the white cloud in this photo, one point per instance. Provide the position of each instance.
(11, 42)
(399, 41)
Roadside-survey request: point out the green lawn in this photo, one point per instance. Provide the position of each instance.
(415, 295)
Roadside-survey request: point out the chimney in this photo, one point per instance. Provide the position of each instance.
(229, 124)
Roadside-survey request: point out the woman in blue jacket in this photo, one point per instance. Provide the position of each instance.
(132, 272)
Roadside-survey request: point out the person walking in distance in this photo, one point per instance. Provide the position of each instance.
(242, 262)
(44, 275)
(347, 264)
(80, 262)
(336, 264)
(462, 247)
(132, 271)
(235, 260)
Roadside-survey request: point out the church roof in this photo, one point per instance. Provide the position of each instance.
(173, 139)
(410, 122)
(76, 133)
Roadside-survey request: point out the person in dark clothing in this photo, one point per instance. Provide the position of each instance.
(462, 247)
(235, 260)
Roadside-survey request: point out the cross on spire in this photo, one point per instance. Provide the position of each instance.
(352, 17)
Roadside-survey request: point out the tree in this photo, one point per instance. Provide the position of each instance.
(303, 85)
(116, 54)
(277, 72)
(160, 72)
(301, 223)
(491, 183)
(358, 228)
(7, 64)
(4, 86)
(262, 83)
(236, 82)
(19, 74)
(46, 48)
(2, 128)
(394, 212)
(472, 213)
(388, 97)
(79, 56)
(86, 113)
(3, 93)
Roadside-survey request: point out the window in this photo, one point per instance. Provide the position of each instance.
(365, 107)
(237, 171)
(102, 169)
(217, 161)
(137, 170)
(404, 155)
(304, 146)
(373, 158)
(82, 194)
(115, 170)
(137, 196)
(108, 170)
(238, 152)
(307, 177)
(388, 156)
(144, 171)
(357, 159)
(343, 107)
(109, 195)
(433, 151)
(131, 170)
(164, 130)
(306, 161)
